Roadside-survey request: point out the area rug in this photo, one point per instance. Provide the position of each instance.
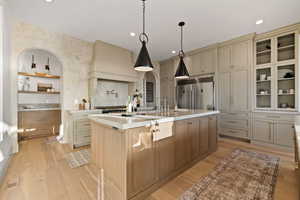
(78, 158)
(243, 175)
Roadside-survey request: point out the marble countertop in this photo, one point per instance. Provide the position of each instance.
(147, 118)
(37, 109)
(94, 111)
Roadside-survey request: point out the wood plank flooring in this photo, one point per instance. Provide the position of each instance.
(40, 172)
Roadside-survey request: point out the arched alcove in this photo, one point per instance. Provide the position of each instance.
(151, 84)
(39, 86)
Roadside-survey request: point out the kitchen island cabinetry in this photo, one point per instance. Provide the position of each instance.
(138, 160)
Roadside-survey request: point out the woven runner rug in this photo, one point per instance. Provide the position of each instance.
(243, 175)
(78, 158)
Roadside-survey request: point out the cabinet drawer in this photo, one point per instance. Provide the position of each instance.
(274, 116)
(233, 123)
(83, 139)
(82, 125)
(85, 132)
(234, 116)
(234, 132)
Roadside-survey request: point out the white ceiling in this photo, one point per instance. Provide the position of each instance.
(208, 21)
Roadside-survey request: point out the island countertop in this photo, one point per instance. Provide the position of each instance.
(125, 121)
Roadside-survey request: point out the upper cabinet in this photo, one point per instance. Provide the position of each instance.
(204, 61)
(276, 71)
(235, 55)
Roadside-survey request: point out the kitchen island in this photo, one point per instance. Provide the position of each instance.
(140, 152)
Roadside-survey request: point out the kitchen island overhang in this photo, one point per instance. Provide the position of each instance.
(139, 153)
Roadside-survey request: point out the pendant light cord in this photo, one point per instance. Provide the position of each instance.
(143, 36)
(144, 21)
(181, 50)
(181, 53)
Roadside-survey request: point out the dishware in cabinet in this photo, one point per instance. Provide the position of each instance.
(286, 86)
(285, 45)
(263, 51)
(263, 87)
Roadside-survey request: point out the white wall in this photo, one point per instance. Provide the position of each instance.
(1, 73)
(40, 59)
(74, 54)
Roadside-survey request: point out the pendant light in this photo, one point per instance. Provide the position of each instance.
(47, 66)
(182, 72)
(33, 65)
(143, 62)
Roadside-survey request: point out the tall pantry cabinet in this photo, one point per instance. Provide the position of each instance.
(234, 86)
(167, 81)
(276, 85)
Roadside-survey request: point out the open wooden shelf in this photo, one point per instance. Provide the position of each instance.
(37, 92)
(40, 75)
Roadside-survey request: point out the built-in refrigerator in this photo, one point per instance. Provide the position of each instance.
(196, 93)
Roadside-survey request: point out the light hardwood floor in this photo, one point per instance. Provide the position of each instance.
(39, 172)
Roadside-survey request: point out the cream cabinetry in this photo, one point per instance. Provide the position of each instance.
(263, 130)
(235, 125)
(233, 91)
(79, 127)
(274, 128)
(276, 72)
(234, 87)
(236, 55)
(167, 90)
(167, 82)
(204, 61)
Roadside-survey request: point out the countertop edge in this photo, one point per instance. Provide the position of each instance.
(150, 122)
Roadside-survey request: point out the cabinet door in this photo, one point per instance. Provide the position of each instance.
(263, 130)
(212, 133)
(193, 130)
(166, 150)
(142, 170)
(208, 61)
(182, 150)
(284, 134)
(204, 139)
(224, 92)
(196, 64)
(239, 91)
(240, 58)
(167, 90)
(224, 58)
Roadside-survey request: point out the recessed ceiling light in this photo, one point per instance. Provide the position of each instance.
(173, 52)
(259, 21)
(132, 34)
(49, 1)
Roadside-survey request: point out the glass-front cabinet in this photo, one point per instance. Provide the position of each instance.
(286, 86)
(264, 87)
(286, 47)
(276, 73)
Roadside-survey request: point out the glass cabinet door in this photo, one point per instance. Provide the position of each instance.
(263, 87)
(286, 86)
(263, 52)
(286, 47)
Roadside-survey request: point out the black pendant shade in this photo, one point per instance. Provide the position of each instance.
(143, 62)
(182, 72)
